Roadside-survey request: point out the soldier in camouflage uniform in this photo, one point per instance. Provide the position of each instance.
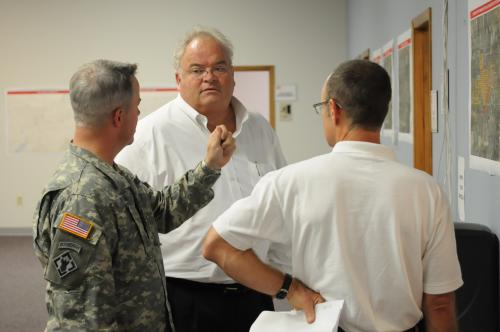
(96, 226)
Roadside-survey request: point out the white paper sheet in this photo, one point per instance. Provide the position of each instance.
(327, 319)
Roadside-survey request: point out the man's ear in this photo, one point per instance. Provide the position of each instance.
(335, 111)
(118, 117)
(177, 77)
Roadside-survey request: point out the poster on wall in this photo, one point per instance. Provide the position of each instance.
(405, 91)
(388, 129)
(484, 85)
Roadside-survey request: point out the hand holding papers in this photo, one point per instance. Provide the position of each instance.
(327, 319)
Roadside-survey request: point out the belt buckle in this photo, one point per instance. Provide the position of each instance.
(231, 289)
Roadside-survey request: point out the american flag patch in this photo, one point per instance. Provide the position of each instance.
(75, 225)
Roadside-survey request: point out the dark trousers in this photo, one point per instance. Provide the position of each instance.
(410, 330)
(205, 307)
(418, 328)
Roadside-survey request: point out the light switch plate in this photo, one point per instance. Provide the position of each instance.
(434, 111)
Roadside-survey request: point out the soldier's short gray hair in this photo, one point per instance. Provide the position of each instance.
(98, 88)
(197, 32)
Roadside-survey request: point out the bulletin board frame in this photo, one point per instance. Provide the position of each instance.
(259, 92)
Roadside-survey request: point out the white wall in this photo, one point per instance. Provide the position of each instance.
(371, 24)
(44, 42)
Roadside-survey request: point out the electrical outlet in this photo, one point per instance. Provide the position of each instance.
(19, 200)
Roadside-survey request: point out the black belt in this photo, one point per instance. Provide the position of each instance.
(413, 329)
(208, 286)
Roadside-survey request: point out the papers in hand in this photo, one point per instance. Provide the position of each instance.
(327, 319)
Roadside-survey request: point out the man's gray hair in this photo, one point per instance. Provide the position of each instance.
(197, 32)
(98, 88)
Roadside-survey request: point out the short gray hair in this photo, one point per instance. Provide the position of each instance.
(98, 88)
(197, 32)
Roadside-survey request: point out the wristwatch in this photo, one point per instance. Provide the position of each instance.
(283, 292)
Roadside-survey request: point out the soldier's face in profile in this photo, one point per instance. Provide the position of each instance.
(131, 114)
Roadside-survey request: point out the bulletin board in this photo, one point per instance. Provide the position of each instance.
(255, 89)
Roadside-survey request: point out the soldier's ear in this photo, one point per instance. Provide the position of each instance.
(117, 117)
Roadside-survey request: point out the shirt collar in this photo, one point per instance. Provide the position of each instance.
(240, 112)
(99, 164)
(373, 150)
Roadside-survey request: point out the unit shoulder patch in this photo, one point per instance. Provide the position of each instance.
(65, 264)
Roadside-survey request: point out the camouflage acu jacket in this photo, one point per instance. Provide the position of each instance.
(96, 235)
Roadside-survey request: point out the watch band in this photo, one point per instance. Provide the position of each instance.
(283, 292)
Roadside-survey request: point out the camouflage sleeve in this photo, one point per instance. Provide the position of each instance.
(81, 290)
(182, 199)
(42, 232)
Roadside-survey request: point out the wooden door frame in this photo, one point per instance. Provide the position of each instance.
(421, 27)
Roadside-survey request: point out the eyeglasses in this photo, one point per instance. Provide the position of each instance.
(200, 71)
(318, 106)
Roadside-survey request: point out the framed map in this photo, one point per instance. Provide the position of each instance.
(405, 91)
(388, 64)
(484, 109)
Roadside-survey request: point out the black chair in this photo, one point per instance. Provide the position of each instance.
(478, 299)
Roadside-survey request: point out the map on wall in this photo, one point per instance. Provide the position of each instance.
(38, 120)
(41, 121)
(484, 43)
(405, 87)
(387, 63)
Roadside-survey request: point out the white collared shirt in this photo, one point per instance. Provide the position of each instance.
(172, 140)
(360, 227)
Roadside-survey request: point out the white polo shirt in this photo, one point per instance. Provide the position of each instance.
(172, 140)
(360, 227)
